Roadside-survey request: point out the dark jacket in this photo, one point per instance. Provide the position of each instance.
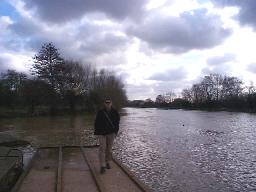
(102, 125)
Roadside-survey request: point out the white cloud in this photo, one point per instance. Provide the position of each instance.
(139, 40)
(17, 62)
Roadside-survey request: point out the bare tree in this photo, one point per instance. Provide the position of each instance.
(187, 95)
(232, 87)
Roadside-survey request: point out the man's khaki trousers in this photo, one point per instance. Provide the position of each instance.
(105, 150)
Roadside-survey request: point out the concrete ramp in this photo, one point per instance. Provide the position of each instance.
(116, 179)
(76, 174)
(42, 175)
(74, 169)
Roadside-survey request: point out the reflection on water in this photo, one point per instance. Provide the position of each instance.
(46, 131)
(176, 150)
(170, 150)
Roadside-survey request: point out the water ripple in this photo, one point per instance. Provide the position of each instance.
(189, 150)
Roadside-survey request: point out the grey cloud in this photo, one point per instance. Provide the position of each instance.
(218, 60)
(220, 69)
(170, 75)
(252, 68)
(5, 33)
(85, 42)
(191, 30)
(25, 27)
(26, 34)
(58, 11)
(247, 13)
(224, 3)
(97, 50)
(111, 61)
(104, 43)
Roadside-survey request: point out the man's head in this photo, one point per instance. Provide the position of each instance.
(107, 103)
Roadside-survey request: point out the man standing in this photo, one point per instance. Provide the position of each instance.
(106, 127)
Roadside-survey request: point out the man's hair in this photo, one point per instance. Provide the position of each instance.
(107, 98)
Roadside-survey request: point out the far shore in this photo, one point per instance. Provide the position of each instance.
(197, 109)
(17, 113)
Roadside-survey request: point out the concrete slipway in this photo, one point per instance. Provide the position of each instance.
(75, 169)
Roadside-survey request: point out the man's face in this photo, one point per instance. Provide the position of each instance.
(108, 104)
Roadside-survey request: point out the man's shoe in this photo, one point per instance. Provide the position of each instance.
(108, 166)
(102, 170)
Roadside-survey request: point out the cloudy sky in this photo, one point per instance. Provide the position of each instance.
(155, 46)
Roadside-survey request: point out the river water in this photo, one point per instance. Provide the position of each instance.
(169, 150)
(177, 150)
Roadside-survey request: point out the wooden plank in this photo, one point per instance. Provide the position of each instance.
(94, 173)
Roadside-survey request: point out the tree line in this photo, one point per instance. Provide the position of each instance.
(56, 85)
(217, 91)
(213, 92)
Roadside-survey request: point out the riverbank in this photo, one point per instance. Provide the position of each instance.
(197, 109)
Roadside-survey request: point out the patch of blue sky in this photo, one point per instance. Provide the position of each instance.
(203, 1)
(6, 9)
